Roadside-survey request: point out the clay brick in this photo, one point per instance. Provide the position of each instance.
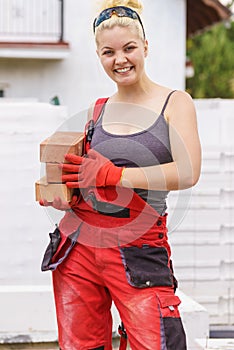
(50, 191)
(53, 149)
(54, 173)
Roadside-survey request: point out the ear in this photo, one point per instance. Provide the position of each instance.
(146, 48)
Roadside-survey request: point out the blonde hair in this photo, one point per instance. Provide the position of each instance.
(135, 5)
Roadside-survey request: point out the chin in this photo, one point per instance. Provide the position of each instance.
(127, 82)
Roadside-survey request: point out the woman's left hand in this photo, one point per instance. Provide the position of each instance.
(91, 170)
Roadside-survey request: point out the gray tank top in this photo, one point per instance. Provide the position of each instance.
(141, 149)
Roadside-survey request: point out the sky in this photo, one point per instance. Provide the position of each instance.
(225, 2)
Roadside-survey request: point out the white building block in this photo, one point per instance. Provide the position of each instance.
(35, 319)
(215, 344)
(27, 314)
(195, 319)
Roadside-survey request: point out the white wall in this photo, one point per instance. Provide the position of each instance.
(23, 225)
(203, 244)
(79, 79)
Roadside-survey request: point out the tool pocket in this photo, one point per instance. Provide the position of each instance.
(146, 266)
(55, 239)
(58, 249)
(172, 325)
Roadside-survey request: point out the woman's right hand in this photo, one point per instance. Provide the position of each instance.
(58, 203)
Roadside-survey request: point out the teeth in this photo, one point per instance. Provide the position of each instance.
(123, 70)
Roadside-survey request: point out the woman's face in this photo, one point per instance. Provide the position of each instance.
(122, 54)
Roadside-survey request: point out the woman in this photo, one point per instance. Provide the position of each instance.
(113, 243)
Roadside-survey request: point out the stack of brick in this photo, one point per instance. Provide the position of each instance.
(52, 152)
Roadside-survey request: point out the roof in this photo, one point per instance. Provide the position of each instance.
(204, 13)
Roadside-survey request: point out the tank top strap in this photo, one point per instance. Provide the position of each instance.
(166, 102)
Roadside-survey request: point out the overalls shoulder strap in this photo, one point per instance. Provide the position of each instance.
(98, 108)
(89, 127)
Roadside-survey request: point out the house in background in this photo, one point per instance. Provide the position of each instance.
(47, 49)
(201, 14)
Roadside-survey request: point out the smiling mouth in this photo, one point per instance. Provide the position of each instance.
(123, 70)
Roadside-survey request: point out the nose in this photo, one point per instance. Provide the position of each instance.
(120, 58)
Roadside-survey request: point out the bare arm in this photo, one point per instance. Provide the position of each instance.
(184, 171)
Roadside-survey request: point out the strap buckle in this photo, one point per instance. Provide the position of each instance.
(122, 331)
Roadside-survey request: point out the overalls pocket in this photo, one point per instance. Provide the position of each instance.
(146, 266)
(58, 249)
(55, 239)
(171, 322)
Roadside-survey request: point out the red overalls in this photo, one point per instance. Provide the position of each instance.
(125, 259)
(112, 246)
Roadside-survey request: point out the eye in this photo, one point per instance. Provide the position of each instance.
(107, 52)
(130, 48)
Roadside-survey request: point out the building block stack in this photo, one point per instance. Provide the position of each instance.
(52, 152)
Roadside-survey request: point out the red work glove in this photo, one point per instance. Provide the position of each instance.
(91, 170)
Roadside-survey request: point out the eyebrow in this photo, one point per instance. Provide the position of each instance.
(110, 48)
(130, 42)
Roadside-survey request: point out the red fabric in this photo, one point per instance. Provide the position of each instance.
(142, 221)
(97, 110)
(85, 285)
(98, 107)
(93, 275)
(123, 344)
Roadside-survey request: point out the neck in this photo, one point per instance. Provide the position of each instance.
(136, 92)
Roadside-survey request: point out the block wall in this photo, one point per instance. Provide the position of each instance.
(203, 242)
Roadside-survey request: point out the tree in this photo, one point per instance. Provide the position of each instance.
(212, 55)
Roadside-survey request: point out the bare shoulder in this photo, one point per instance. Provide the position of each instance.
(181, 105)
(181, 96)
